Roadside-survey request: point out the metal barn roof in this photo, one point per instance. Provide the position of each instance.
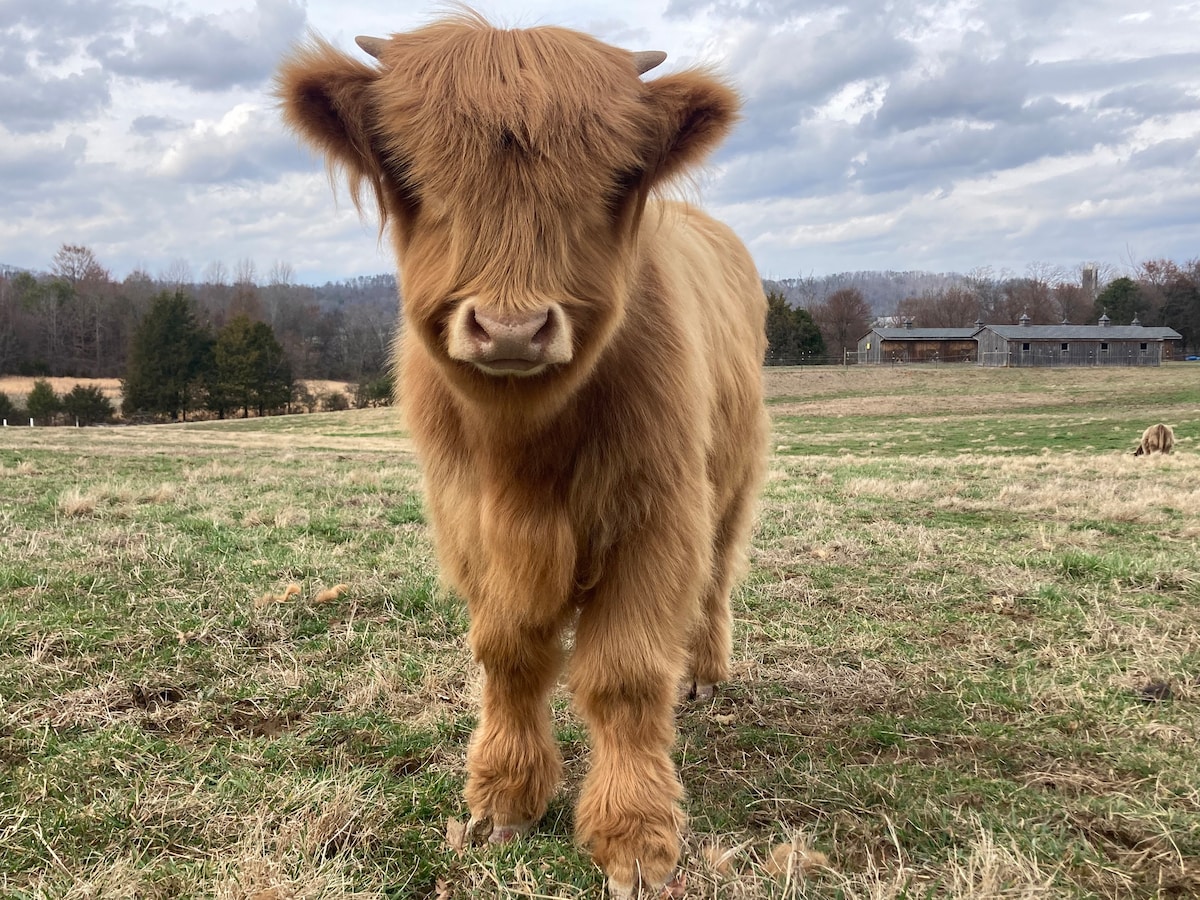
(1085, 332)
(926, 334)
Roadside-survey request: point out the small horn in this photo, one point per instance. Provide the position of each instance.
(646, 60)
(372, 46)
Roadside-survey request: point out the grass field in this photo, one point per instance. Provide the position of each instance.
(967, 658)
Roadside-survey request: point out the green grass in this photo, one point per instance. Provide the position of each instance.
(967, 657)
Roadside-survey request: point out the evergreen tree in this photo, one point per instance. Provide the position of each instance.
(169, 357)
(43, 404)
(87, 405)
(251, 370)
(1181, 310)
(1120, 301)
(9, 411)
(792, 335)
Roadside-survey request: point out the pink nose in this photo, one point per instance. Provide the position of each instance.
(517, 337)
(510, 342)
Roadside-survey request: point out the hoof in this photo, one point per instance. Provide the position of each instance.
(702, 690)
(675, 887)
(697, 690)
(483, 830)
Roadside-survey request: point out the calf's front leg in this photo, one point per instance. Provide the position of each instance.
(513, 763)
(630, 652)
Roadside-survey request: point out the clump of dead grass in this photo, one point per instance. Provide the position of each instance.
(75, 503)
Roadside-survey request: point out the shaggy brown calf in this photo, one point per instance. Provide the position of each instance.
(1158, 438)
(580, 371)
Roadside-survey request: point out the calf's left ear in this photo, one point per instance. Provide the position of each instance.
(693, 112)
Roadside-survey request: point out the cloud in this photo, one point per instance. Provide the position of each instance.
(33, 103)
(1176, 153)
(246, 144)
(26, 168)
(208, 52)
(1154, 99)
(151, 125)
(34, 98)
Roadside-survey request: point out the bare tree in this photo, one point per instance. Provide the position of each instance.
(952, 307)
(245, 272)
(843, 318)
(281, 273)
(177, 275)
(77, 264)
(216, 272)
(82, 307)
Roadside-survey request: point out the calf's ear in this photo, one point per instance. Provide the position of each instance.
(325, 98)
(693, 111)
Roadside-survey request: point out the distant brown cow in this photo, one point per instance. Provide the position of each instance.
(1156, 439)
(580, 370)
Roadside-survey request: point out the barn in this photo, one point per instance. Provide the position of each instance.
(1104, 344)
(909, 344)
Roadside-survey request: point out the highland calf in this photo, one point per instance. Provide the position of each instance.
(1158, 438)
(580, 371)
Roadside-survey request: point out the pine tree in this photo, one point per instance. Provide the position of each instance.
(251, 370)
(1119, 300)
(169, 357)
(792, 335)
(42, 403)
(87, 405)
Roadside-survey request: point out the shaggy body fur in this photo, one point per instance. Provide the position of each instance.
(1158, 438)
(612, 490)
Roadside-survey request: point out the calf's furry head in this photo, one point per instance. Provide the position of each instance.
(511, 168)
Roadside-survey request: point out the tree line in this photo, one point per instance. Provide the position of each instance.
(76, 320)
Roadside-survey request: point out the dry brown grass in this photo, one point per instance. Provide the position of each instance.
(17, 387)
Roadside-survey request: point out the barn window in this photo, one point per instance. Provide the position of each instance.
(1025, 347)
(1104, 346)
(1065, 347)
(1144, 348)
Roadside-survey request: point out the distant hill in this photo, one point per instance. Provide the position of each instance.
(882, 290)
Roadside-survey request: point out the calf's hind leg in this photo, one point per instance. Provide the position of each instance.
(711, 644)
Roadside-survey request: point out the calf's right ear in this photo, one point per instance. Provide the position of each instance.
(325, 97)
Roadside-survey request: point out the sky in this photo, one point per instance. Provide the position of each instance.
(897, 135)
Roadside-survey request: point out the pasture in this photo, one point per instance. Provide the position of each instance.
(967, 658)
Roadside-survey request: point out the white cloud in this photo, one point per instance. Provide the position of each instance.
(247, 144)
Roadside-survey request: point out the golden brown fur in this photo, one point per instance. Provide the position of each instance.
(612, 491)
(1158, 438)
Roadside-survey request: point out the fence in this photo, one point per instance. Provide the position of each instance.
(805, 359)
(1043, 357)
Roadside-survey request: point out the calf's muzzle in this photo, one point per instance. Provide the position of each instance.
(509, 342)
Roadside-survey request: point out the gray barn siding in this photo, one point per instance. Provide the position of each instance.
(1042, 345)
(1022, 345)
(888, 345)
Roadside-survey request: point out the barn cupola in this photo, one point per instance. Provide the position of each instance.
(908, 324)
(1024, 320)
(1137, 323)
(1105, 321)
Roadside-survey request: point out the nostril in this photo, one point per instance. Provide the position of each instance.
(476, 329)
(545, 334)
